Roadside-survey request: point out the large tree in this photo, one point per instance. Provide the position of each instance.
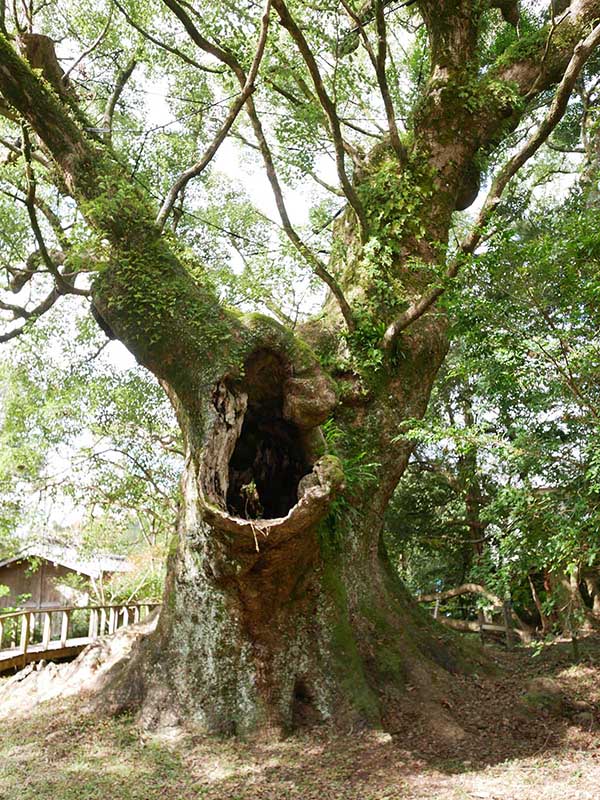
(279, 595)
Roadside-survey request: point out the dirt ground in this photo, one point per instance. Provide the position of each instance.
(531, 732)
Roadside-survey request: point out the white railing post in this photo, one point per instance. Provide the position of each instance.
(64, 628)
(93, 626)
(47, 630)
(24, 633)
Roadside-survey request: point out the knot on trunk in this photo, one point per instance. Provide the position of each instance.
(308, 402)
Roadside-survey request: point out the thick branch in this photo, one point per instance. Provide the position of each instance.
(557, 109)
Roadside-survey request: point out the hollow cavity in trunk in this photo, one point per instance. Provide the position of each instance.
(269, 456)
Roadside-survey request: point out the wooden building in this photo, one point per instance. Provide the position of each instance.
(39, 573)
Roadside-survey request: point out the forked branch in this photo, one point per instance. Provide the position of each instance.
(468, 246)
(248, 87)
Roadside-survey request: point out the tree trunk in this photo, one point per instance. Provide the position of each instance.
(545, 620)
(593, 586)
(298, 617)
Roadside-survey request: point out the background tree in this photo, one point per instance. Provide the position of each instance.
(517, 406)
(90, 453)
(263, 616)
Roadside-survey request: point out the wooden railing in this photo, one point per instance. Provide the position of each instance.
(45, 629)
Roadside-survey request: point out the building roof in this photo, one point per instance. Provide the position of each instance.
(70, 557)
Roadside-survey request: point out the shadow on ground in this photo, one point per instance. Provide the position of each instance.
(513, 746)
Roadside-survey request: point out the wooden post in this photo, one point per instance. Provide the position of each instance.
(46, 630)
(136, 613)
(507, 624)
(64, 628)
(93, 626)
(125, 616)
(436, 610)
(24, 632)
(1, 632)
(481, 620)
(102, 620)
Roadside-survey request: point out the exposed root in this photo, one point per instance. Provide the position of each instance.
(85, 676)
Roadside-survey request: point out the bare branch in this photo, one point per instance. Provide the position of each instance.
(109, 112)
(91, 48)
(328, 106)
(557, 109)
(248, 87)
(30, 315)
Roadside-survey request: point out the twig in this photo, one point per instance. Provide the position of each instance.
(248, 87)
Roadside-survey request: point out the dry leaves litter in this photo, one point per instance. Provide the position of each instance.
(531, 731)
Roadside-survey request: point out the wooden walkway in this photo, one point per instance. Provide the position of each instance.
(56, 633)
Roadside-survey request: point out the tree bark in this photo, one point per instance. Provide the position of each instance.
(267, 623)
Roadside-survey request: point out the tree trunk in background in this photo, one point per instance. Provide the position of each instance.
(593, 586)
(544, 618)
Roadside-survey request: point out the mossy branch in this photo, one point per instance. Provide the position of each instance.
(581, 53)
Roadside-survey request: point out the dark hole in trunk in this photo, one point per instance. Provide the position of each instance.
(304, 713)
(265, 467)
